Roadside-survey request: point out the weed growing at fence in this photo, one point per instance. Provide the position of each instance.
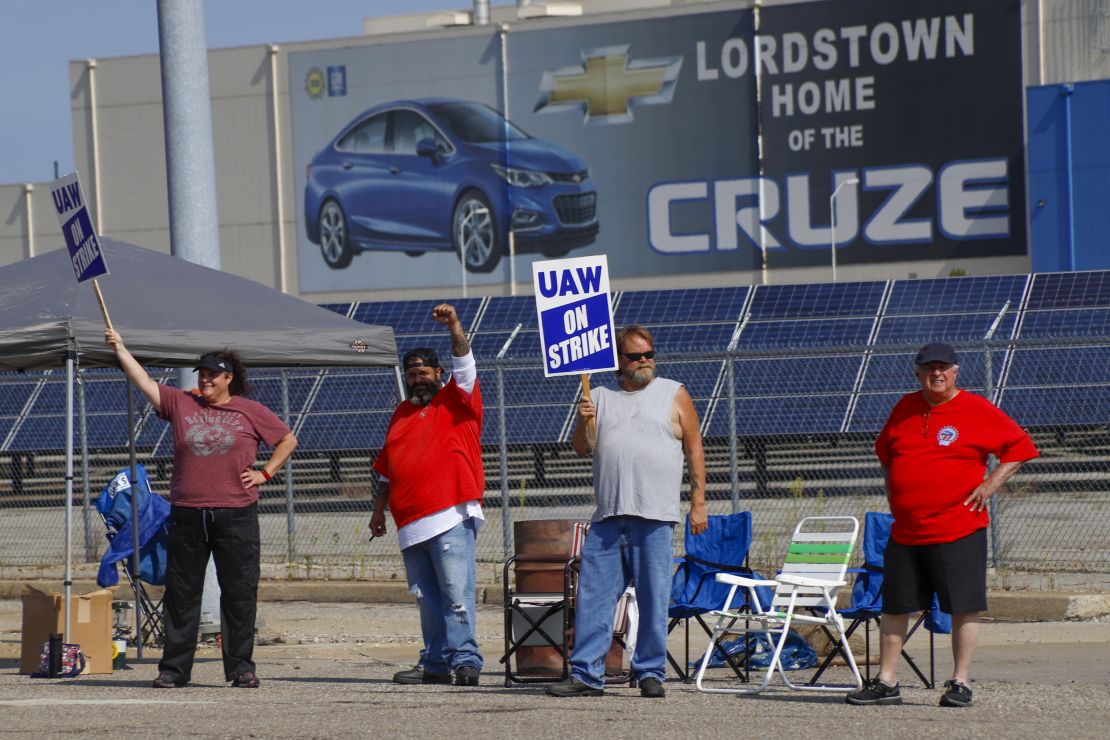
(359, 554)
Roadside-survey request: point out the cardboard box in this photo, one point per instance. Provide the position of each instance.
(90, 627)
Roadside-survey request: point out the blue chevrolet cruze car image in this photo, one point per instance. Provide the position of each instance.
(445, 175)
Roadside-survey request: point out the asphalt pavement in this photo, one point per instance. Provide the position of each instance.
(326, 668)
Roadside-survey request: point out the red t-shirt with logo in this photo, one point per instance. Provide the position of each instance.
(213, 445)
(937, 455)
(433, 454)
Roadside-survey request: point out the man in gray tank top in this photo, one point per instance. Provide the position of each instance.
(639, 434)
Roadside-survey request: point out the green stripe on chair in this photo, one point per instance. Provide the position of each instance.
(845, 547)
(835, 559)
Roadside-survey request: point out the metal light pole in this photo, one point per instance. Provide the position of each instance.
(190, 180)
(832, 221)
(462, 256)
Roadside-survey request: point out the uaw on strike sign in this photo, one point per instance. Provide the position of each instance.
(576, 318)
(77, 228)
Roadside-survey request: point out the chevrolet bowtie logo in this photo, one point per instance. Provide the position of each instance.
(607, 85)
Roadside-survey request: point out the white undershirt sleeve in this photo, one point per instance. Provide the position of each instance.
(465, 372)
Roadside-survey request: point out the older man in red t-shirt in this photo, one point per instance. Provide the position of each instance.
(430, 474)
(933, 450)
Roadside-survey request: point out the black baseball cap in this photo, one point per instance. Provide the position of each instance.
(216, 362)
(936, 352)
(420, 357)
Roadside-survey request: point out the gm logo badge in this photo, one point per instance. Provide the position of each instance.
(607, 86)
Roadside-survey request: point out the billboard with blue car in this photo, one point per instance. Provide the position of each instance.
(681, 144)
(435, 174)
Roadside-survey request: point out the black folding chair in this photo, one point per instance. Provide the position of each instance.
(152, 626)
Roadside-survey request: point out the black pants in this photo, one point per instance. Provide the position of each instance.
(231, 536)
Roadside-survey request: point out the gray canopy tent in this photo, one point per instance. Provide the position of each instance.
(169, 312)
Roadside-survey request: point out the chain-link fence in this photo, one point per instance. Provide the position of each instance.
(788, 433)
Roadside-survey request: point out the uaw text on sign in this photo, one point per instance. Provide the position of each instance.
(77, 229)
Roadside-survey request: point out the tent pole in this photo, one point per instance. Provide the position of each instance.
(136, 556)
(84, 424)
(503, 453)
(68, 583)
(290, 519)
(401, 394)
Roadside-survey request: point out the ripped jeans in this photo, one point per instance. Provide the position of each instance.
(441, 575)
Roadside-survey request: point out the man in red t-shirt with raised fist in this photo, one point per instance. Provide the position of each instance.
(933, 450)
(431, 477)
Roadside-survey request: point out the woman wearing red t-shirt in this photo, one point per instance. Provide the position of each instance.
(214, 493)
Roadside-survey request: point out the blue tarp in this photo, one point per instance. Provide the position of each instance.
(796, 653)
(114, 504)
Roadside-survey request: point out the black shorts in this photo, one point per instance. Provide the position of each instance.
(955, 571)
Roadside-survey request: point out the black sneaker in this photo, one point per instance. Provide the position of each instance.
(956, 694)
(573, 687)
(466, 675)
(417, 675)
(875, 692)
(246, 680)
(167, 681)
(652, 688)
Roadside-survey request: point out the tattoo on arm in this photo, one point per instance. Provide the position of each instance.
(697, 479)
(459, 346)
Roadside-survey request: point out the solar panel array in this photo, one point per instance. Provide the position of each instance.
(1044, 385)
(811, 358)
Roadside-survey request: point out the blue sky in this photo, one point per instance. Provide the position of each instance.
(39, 37)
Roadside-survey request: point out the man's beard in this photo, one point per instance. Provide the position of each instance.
(641, 376)
(421, 394)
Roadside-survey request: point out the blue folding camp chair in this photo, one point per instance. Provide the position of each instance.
(721, 548)
(114, 506)
(867, 601)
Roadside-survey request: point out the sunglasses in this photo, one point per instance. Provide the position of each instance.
(637, 356)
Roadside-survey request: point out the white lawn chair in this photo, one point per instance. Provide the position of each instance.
(813, 574)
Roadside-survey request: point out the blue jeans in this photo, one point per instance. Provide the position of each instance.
(441, 576)
(619, 551)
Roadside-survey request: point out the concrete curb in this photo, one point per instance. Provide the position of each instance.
(1005, 606)
(365, 592)
(1031, 606)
